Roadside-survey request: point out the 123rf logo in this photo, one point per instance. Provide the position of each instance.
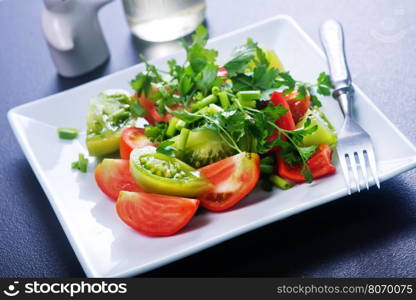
(71, 289)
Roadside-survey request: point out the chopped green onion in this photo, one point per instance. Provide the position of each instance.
(204, 102)
(183, 138)
(81, 164)
(225, 103)
(67, 133)
(119, 115)
(213, 108)
(280, 182)
(199, 96)
(215, 90)
(266, 169)
(180, 124)
(247, 98)
(170, 132)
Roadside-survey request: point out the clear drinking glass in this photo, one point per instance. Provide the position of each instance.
(163, 20)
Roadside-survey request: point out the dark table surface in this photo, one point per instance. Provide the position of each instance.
(364, 235)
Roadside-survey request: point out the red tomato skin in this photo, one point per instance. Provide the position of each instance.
(153, 214)
(132, 138)
(319, 163)
(240, 173)
(152, 116)
(113, 176)
(285, 121)
(222, 72)
(298, 108)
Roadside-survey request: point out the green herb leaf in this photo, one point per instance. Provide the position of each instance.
(323, 91)
(208, 77)
(264, 78)
(324, 80)
(240, 58)
(185, 115)
(166, 148)
(315, 101)
(307, 173)
(307, 152)
(137, 110)
(200, 36)
(156, 133)
(286, 80)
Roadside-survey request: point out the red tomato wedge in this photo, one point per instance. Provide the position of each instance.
(152, 116)
(113, 176)
(132, 138)
(153, 214)
(222, 72)
(233, 178)
(298, 108)
(319, 163)
(285, 121)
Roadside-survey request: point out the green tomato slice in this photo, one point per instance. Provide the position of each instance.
(108, 114)
(325, 134)
(161, 174)
(203, 147)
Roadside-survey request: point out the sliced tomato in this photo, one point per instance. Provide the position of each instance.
(113, 176)
(233, 178)
(298, 107)
(319, 163)
(152, 116)
(132, 138)
(153, 214)
(285, 121)
(222, 72)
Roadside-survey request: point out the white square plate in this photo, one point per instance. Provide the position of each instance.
(105, 246)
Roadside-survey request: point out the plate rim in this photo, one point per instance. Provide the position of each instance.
(89, 270)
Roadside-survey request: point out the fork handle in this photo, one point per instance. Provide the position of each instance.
(332, 39)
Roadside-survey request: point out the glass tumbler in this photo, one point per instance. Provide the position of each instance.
(163, 20)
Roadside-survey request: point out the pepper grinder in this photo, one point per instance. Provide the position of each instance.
(74, 36)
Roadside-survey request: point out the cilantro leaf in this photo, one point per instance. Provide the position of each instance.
(286, 80)
(142, 84)
(324, 84)
(263, 78)
(274, 111)
(261, 58)
(323, 90)
(208, 77)
(199, 57)
(137, 109)
(242, 82)
(166, 148)
(156, 133)
(307, 152)
(240, 58)
(307, 173)
(200, 36)
(185, 115)
(324, 80)
(315, 101)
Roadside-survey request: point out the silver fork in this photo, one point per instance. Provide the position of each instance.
(355, 149)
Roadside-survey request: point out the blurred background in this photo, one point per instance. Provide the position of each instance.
(370, 234)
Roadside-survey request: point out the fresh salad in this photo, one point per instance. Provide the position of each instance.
(214, 131)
